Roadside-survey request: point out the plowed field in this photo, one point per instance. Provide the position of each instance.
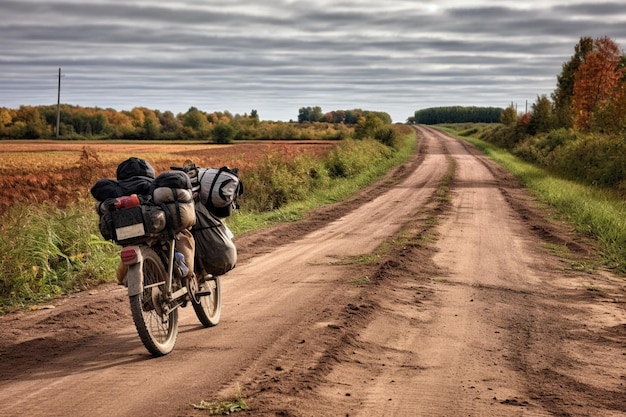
(37, 171)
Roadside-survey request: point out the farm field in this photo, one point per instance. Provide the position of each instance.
(59, 172)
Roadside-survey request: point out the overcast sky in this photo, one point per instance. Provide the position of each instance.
(277, 56)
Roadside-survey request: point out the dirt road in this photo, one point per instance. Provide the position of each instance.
(473, 305)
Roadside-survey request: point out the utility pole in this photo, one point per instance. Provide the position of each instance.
(59, 104)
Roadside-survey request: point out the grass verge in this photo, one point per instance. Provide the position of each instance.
(333, 191)
(47, 251)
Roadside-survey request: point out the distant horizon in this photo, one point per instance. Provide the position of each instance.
(294, 119)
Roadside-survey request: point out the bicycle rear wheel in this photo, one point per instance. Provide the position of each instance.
(157, 331)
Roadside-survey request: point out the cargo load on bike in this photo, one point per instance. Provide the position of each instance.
(174, 242)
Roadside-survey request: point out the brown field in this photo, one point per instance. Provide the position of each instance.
(60, 172)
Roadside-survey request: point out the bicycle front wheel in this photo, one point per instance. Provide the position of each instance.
(206, 299)
(158, 331)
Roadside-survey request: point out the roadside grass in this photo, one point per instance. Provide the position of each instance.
(46, 251)
(593, 212)
(333, 191)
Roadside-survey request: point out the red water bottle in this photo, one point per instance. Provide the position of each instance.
(126, 201)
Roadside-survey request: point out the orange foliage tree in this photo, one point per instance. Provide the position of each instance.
(597, 82)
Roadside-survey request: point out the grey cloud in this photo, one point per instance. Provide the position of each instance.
(592, 9)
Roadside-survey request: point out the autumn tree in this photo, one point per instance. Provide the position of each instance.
(564, 92)
(612, 117)
(195, 120)
(368, 126)
(120, 122)
(5, 117)
(34, 126)
(596, 81)
(169, 123)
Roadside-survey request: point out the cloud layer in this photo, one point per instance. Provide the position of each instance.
(396, 56)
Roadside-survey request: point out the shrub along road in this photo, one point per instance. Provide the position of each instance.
(473, 304)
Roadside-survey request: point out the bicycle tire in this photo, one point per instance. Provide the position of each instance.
(157, 332)
(208, 308)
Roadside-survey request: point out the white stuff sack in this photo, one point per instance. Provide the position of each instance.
(179, 204)
(219, 188)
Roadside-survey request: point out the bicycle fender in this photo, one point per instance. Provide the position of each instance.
(134, 279)
(132, 257)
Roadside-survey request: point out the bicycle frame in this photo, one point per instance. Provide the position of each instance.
(133, 258)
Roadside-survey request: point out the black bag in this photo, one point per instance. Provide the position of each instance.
(134, 176)
(134, 167)
(106, 188)
(215, 251)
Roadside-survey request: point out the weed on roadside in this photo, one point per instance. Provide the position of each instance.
(233, 405)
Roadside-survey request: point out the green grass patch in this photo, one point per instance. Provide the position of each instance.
(361, 281)
(365, 259)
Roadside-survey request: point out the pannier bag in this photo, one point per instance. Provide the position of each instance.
(215, 251)
(219, 189)
(128, 225)
(172, 191)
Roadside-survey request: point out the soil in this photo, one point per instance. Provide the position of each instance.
(443, 290)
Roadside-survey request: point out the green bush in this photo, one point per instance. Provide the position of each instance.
(223, 133)
(351, 157)
(594, 159)
(279, 179)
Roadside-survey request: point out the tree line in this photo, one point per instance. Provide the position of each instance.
(456, 114)
(315, 114)
(76, 122)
